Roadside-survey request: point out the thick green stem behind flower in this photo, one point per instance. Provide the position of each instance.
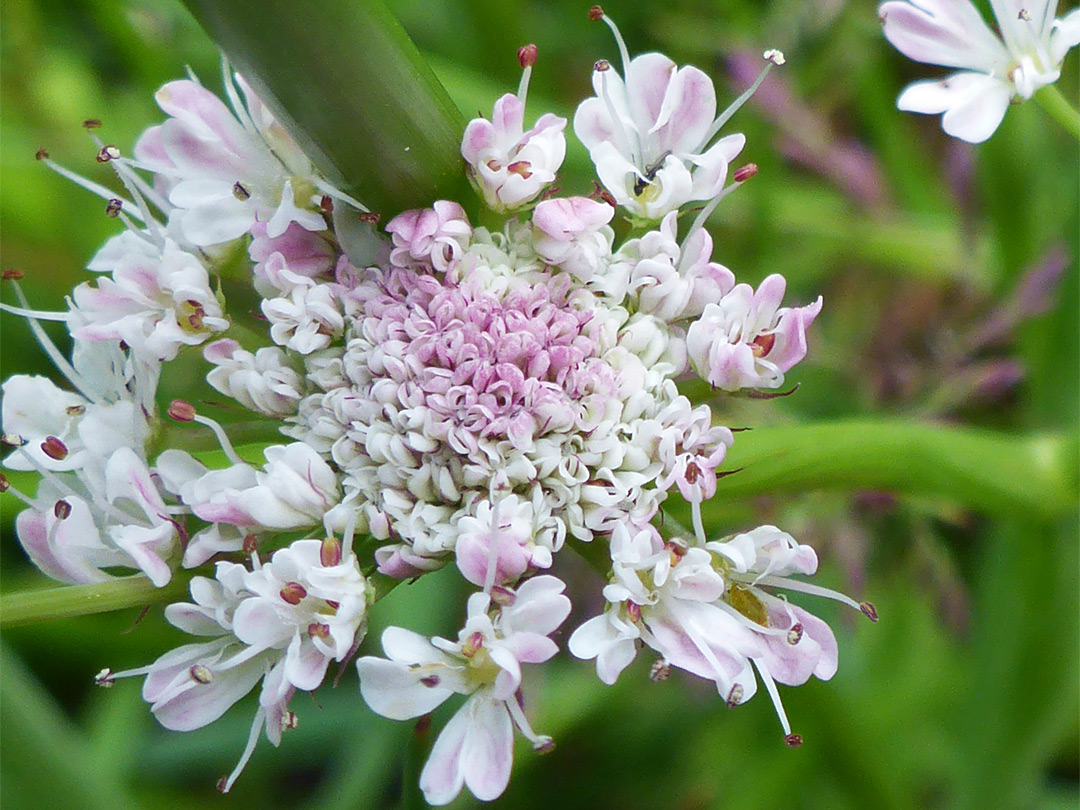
(354, 92)
(1058, 108)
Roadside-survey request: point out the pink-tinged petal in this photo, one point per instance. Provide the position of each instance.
(150, 150)
(197, 155)
(711, 169)
(977, 114)
(256, 623)
(508, 118)
(950, 33)
(201, 110)
(409, 647)
(540, 606)
(648, 78)
(192, 619)
(487, 753)
(480, 136)
(305, 664)
(176, 468)
(592, 123)
(202, 704)
(790, 335)
(212, 223)
(396, 691)
(67, 558)
(442, 778)
(145, 547)
(688, 112)
(614, 658)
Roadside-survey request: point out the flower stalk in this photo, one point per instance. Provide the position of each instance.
(1058, 107)
(48, 604)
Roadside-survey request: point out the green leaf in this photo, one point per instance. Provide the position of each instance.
(994, 473)
(353, 90)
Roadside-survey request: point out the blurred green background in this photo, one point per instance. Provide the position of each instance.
(951, 297)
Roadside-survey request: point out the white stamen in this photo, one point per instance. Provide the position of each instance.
(770, 686)
(706, 212)
(725, 116)
(249, 749)
(699, 526)
(624, 54)
(523, 85)
(336, 193)
(58, 359)
(222, 437)
(89, 185)
(806, 587)
(40, 314)
(522, 722)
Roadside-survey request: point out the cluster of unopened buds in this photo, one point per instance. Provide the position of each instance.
(478, 397)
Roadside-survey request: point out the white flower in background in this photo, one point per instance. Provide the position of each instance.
(475, 749)
(994, 69)
(281, 623)
(508, 165)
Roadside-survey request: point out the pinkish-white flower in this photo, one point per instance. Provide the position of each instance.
(154, 303)
(649, 134)
(572, 233)
(77, 526)
(475, 749)
(508, 165)
(282, 623)
(295, 489)
(508, 525)
(748, 340)
(224, 169)
(994, 70)
(435, 236)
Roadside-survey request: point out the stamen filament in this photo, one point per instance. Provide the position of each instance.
(249, 749)
(725, 116)
(624, 54)
(222, 437)
(806, 587)
(58, 359)
(770, 687)
(89, 185)
(41, 315)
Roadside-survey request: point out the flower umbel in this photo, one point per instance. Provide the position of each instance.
(476, 397)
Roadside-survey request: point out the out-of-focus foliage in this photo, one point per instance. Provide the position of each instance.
(964, 695)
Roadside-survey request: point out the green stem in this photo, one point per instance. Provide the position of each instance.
(1034, 477)
(47, 604)
(352, 89)
(1058, 108)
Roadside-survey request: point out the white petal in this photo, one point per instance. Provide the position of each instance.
(488, 751)
(394, 691)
